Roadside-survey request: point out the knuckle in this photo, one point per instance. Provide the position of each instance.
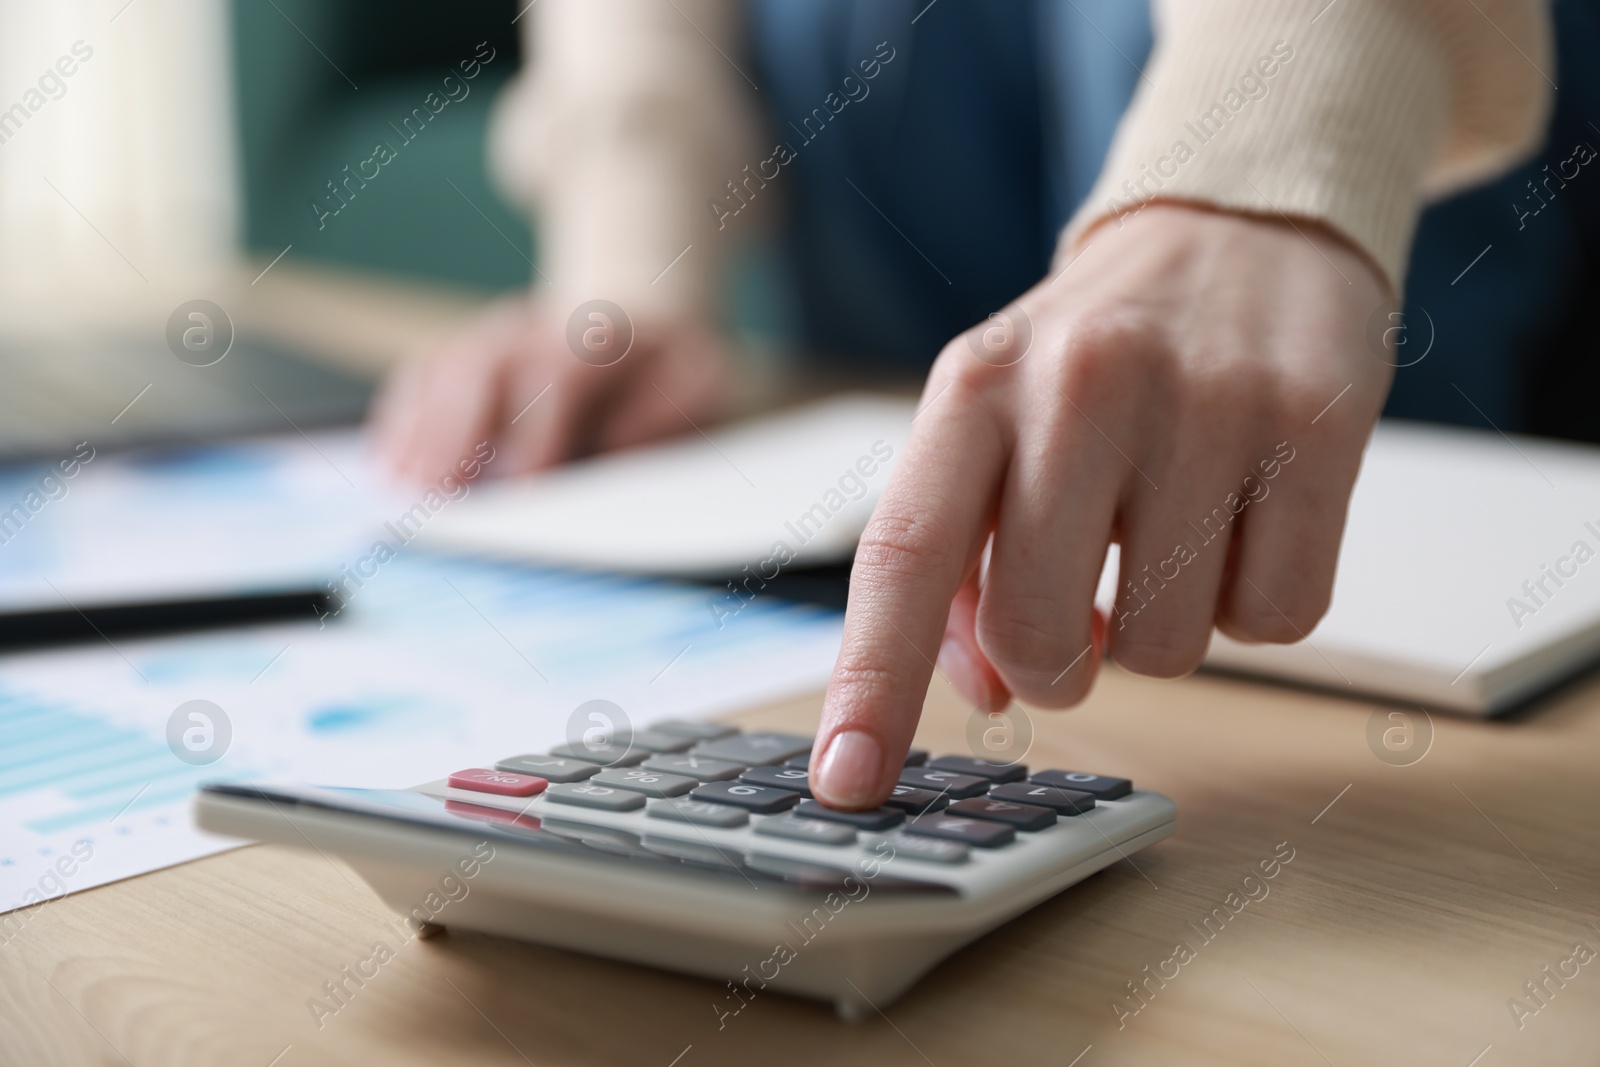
(1001, 339)
(866, 680)
(1292, 614)
(1109, 355)
(1231, 388)
(1024, 638)
(1304, 401)
(901, 541)
(958, 370)
(1159, 651)
(1038, 653)
(1257, 627)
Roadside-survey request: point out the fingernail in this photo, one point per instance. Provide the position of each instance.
(848, 776)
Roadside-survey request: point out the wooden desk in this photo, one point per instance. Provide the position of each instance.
(1418, 901)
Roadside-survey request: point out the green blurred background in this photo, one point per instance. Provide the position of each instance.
(302, 121)
(318, 84)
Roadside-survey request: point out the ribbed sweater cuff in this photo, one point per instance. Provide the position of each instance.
(1272, 109)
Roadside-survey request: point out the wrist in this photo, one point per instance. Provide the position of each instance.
(1253, 108)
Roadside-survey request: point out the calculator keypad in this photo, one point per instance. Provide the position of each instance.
(915, 801)
(876, 819)
(978, 768)
(550, 768)
(699, 812)
(1096, 785)
(707, 775)
(1022, 816)
(657, 741)
(650, 783)
(699, 768)
(500, 783)
(698, 731)
(616, 754)
(602, 797)
(928, 849)
(792, 778)
(754, 749)
(1060, 801)
(760, 799)
(914, 758)
(980, 833)
(950, 783)
(813, 831)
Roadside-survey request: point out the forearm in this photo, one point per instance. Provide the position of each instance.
(627, 123)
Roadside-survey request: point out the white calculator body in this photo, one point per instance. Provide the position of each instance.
(696, 848)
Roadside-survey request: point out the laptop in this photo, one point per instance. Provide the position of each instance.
(117, 395)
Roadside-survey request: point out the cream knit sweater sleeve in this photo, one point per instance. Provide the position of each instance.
(629, 116)
(1350, 113)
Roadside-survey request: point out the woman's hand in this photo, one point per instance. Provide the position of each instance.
(1194, 386)
(542, 388)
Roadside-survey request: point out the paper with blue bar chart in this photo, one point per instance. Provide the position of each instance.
(433, 664)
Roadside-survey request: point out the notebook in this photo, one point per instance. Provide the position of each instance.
(1469, 578)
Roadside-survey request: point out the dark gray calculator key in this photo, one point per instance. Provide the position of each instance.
(979, 768)
(552, 769)
(793, 778)
(911, 799)
(979, 833)
(950, 783)
(761, 799)
(696, 767)
(698, 731)
(1060, 801)
(927, 849)
(754, 749)
(1028, 817)
(1096, 785)
(697, 812)
(657, 741)
(877, 819)
(650, 783)
(915, 758)
(617, 754)
(600, 797)
(816, 831)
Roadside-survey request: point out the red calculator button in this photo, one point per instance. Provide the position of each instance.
(503, 783)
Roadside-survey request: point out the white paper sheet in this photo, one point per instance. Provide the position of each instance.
(435, 664)
(806, 479)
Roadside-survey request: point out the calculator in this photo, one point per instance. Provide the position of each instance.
(699, 848)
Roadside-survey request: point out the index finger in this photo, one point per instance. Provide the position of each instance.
(923, 538)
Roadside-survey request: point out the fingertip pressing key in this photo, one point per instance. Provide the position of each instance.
(849, 772)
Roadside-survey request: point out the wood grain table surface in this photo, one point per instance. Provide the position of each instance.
(1422, 896)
